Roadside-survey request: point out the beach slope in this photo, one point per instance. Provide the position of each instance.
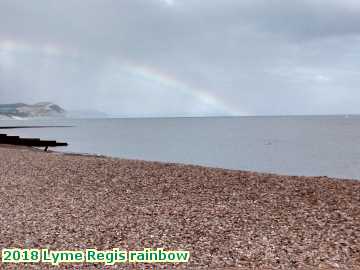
(224, 218)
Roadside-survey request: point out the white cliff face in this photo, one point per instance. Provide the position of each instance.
(4, 117)
(21, 110)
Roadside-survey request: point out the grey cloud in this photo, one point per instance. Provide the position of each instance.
(254, 57)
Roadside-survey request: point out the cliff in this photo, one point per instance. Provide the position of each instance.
(22, 110)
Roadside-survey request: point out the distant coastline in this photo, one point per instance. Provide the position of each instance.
(19, 111)
(44, 110)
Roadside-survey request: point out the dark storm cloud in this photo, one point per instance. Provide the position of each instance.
(183, 57)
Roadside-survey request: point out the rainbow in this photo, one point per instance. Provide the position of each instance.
(205, 97)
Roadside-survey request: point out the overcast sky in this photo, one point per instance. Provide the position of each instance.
(183, 57)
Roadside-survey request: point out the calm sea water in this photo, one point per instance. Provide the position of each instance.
(316, 146)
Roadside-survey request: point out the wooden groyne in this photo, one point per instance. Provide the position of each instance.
(32, 142)
(17, 127)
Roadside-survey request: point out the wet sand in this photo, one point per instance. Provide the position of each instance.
(226, 219)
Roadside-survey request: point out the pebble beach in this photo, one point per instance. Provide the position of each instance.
(226, 219)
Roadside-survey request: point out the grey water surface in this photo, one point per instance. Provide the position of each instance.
(309, 145)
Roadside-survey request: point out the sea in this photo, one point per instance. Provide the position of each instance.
(291, 145)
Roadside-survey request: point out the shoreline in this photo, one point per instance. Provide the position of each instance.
(79, 154)
(225, 218)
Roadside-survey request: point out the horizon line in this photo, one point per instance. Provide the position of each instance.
(223, 116)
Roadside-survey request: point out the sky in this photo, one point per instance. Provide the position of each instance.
(141, 58)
